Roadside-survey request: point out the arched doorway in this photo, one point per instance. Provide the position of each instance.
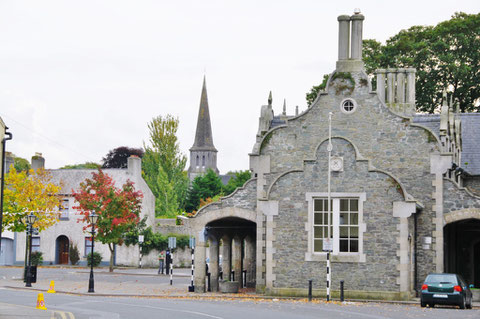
(62, 247)
(462, 249)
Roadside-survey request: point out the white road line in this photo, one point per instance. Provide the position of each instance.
(168, 309)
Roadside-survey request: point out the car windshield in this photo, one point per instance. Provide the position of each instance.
(441, 278)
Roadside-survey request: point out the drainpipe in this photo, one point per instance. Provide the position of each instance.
(4, 141)
(415, 266)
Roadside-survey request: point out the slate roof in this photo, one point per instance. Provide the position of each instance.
(70, 179)
(203, 135)
(470, 137)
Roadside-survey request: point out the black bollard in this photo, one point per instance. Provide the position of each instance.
(208, 282)
(233, 275)
(342, 298)
(244, 279)
(221, 275)
(310, 290)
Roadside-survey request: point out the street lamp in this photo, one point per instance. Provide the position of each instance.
(30, 219)
(92, 219)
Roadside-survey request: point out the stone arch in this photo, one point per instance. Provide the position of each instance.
(462, 214)
(206, 217)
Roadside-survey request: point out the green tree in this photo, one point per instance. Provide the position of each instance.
(239, 178)
(446, 56)
(21, 164)
(312, 95)
(163, 166)
(86, 165)
(203, 187)
(118, 210)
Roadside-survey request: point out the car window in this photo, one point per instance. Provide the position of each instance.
(441, 278)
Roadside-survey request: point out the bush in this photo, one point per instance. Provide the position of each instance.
(74, 254)
(97, 259)
(37, 258)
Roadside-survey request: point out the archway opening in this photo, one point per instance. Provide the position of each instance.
(62, 248)
(462, 249)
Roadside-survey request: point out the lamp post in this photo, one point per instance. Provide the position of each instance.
(92, 219)
(30, 219)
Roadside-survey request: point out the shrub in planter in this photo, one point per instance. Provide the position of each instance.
(37, 258)
(97, 259)
(74, 254)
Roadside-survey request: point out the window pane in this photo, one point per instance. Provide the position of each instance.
(317, 232)
(354, 232)
(344, 245)
(318, 205)
(344, 205)
(354, 246)
(354, 205)
(343, 232)
(353, 219)
(318, 218)
(317, 245)
(343, 218)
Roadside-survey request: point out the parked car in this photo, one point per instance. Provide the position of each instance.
(446, 289)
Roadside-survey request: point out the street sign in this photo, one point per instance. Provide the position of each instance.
(172, 242)
(141, 238)
(191, 243)
(327, 244)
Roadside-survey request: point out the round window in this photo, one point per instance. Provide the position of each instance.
(348, 106)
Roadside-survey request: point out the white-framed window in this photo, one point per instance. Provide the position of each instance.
(346, 226)
(35, 243)
(348, 106)
(64, 209)
(88, 245)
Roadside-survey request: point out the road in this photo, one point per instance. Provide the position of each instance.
(83, 307)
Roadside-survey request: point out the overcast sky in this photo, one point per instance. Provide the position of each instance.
(79, 78)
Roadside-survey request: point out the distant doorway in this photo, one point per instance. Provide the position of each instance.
(62, 245)
(6, 252)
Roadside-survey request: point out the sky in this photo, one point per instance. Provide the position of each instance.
(80, 78)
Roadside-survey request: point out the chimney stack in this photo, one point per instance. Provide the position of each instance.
(350, 37)
(399, 92)
(38, 161)
(134, 166)
(357, 35)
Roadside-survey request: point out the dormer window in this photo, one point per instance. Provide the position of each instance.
(348, 106)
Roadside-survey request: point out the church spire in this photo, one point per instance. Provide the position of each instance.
(203, 136)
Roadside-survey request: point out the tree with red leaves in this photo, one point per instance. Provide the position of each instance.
(118, 209)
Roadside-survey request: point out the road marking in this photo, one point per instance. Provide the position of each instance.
(162, 308)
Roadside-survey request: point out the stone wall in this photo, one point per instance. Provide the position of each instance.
(456, 199)
(473, 184)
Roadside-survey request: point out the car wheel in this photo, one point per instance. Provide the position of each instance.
(462, 303)
(431, 305)
(469, 305)
(423, 304)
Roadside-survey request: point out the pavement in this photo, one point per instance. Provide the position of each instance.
(127, 282)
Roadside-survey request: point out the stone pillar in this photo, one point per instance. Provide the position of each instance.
(226, 256)
(199, 274)
(401, 86)
(357, 31)
(213, 263)
(343, 37)
(391, 85)
(237, 257)
(403, 210)
(410, 85)
(250, 252)
(381, 84)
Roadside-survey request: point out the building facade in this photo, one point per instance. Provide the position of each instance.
(401, 195)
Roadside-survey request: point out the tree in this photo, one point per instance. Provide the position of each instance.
(25, 193)
(163, 166)
(86, 165)
(239, 178)
(446, 56)
(118, 209)
(312, 95)
(118, 157)
(202, 187)
(21, 164)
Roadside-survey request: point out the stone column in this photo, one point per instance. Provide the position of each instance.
(381, 84)
(237, 257)
(213, 263)
(250, 251)
(357, 30)
(391, 85)
(410, 85)
(199, 274)
(226, 256)
(401, 86)
(343, 37)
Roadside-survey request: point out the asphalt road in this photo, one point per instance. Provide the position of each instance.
(220, 308)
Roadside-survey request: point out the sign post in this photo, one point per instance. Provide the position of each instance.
(140, 242)
(172, 244)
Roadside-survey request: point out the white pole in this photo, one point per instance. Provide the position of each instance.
(171, 268)
(329, 149)
(140, 251)
(193, 267)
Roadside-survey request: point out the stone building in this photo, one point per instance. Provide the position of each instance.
(54, 242)
(402, 197)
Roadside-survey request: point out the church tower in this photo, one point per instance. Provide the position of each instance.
(203, 154)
